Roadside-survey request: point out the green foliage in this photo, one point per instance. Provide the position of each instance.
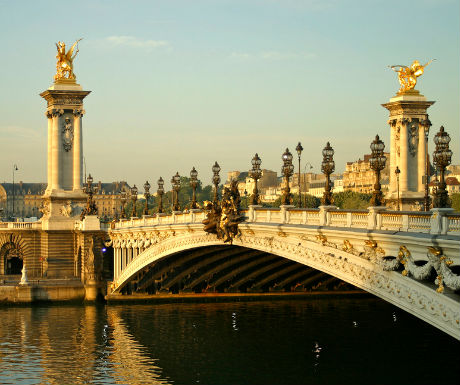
(351, 200)
(455, 200)
(308, 201)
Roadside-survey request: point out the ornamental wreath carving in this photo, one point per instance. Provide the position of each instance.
(67, 135)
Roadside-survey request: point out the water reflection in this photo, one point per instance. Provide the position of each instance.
(284, 342)
(129, 360)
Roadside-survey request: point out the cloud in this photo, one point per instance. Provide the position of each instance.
(272, 55)
(131, 41)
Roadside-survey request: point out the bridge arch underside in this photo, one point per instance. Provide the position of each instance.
(230, 269)
(275, 263)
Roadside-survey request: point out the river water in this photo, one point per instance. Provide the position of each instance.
(303, 341)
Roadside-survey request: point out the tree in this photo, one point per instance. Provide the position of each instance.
(351, 200)
(455, 199)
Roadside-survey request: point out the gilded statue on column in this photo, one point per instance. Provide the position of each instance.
(64, 65)
(407, 76)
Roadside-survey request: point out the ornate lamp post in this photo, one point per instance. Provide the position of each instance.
(123, 200)
(160, 193)
(327, 167)
(146, 196)
(299, 150)
(377, 163)
(287, 170)
(175, 180)
(134, 199)
(255, 173)
(397, 172)
(90, 208)
(216, 181)
(442, 157)
(15, 168)
(193, 184)
(426, 127)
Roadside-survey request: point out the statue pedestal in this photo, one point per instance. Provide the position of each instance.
(408, 111)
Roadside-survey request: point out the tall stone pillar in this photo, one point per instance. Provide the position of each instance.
(64, 199)
(407, 149)
(78, 152)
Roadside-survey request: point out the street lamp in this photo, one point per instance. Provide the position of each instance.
(134, 199)
(327, 167)
(193, 184)
(15, 168)
(377, 163)
(426, 127)
(442, 157)
(91, 208)
(216, 181)
(397, 172)
(146, 196)
(287, 170)
(299, 150)
(160, 193)
(123, 199)
(255, 173)
(175, 181)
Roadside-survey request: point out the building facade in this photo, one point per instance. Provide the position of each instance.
(359, 177)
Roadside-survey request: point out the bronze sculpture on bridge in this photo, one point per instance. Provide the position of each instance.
(223, 218)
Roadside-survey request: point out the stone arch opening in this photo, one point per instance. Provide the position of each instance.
(231, 269)
(12, 257)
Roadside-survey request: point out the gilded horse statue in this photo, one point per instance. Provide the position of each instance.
(407, 76)
(64, 65)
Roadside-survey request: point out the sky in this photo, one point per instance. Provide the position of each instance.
(176, 84)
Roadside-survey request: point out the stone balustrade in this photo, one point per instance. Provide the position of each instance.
(432, 222)
(21, 225)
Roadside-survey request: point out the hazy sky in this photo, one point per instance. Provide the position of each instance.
(177, 84)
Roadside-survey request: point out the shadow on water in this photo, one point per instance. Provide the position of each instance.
(312, 341)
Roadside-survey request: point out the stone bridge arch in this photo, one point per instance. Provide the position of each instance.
(14, 251)
(419, 299)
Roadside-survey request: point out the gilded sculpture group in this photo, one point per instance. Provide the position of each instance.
(222, 218)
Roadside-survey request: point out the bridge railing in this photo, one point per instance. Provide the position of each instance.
(436, 221)
(21, 225)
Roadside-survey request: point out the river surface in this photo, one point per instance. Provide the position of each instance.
(303, 341)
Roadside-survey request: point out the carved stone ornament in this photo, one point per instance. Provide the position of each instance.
(66, 210)
(44, 208)
(413, 139)
(398, 147)
(67, 135)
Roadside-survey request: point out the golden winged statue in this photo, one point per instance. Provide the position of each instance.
(407, 76)
(64, 65)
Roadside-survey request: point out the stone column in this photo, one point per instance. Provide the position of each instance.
(49, 115)
(77, 150)
(393, 156)
(403, 161)
(421, 159)
(56, 150)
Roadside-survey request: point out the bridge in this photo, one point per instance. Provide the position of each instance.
(409, 259)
